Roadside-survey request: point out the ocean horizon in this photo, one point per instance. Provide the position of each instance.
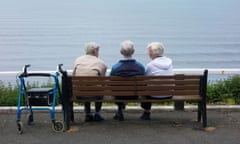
(196, 34)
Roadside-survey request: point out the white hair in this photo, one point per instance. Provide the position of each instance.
(127, 48)
(157, 48)
(91, 47)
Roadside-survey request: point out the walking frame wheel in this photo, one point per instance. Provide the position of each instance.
(20, 127)
(58, 126)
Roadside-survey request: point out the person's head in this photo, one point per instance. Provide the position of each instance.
(92, 48)
(155, 49)
(127, 48)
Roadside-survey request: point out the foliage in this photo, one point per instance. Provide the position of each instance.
(9, 93)
(233, 88)
(223, 90)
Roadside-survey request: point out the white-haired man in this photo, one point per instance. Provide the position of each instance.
(90, 65)
(126, 67)
(159, 65)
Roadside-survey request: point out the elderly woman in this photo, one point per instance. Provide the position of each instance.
(159, 65)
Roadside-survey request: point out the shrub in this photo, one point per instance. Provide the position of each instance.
(9, 93)
(222, 90)
(233, 87)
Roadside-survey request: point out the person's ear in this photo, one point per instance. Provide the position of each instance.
(96, 52)
(133, 51)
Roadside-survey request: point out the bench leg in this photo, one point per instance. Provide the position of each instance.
(66, 115)
(71, 111)
(199, 115)
(66, 100)
(204, 115)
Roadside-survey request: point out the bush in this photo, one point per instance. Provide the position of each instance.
(222, 90)
(9, 93)
(233, 88)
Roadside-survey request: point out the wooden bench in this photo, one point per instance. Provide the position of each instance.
(190, 88)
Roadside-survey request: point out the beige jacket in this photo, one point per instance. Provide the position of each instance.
(89, 65)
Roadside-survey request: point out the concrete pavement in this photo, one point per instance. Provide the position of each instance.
(167, 127)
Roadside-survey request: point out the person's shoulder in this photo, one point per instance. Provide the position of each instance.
(139, 63)
(149, 65)
(116, 64)
(102, 62)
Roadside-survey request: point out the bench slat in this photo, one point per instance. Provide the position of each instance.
(177, 76)
(134, 93)
(111, 99)
(124, 82)
(139, 88)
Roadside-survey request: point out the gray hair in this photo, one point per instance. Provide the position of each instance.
(91, 47)
(157, 48)
(127, 48)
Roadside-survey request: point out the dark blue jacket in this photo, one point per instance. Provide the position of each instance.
(127, 68)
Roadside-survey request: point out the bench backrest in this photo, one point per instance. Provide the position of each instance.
(176, 85)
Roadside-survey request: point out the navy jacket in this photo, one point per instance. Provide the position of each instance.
(127, 68)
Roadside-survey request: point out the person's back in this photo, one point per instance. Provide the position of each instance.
(126, 67)
(159, 65)
(90, 65)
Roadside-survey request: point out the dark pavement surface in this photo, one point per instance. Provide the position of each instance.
(166, 127)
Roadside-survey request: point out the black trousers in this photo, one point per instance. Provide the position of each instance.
(148, 105)
(87, 103)
(121, 105)
(87, 107)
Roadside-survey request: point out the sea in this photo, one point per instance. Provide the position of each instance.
(45, 33)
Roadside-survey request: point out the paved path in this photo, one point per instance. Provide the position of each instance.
(166, 127)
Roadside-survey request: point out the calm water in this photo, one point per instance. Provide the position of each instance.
(196, 34)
